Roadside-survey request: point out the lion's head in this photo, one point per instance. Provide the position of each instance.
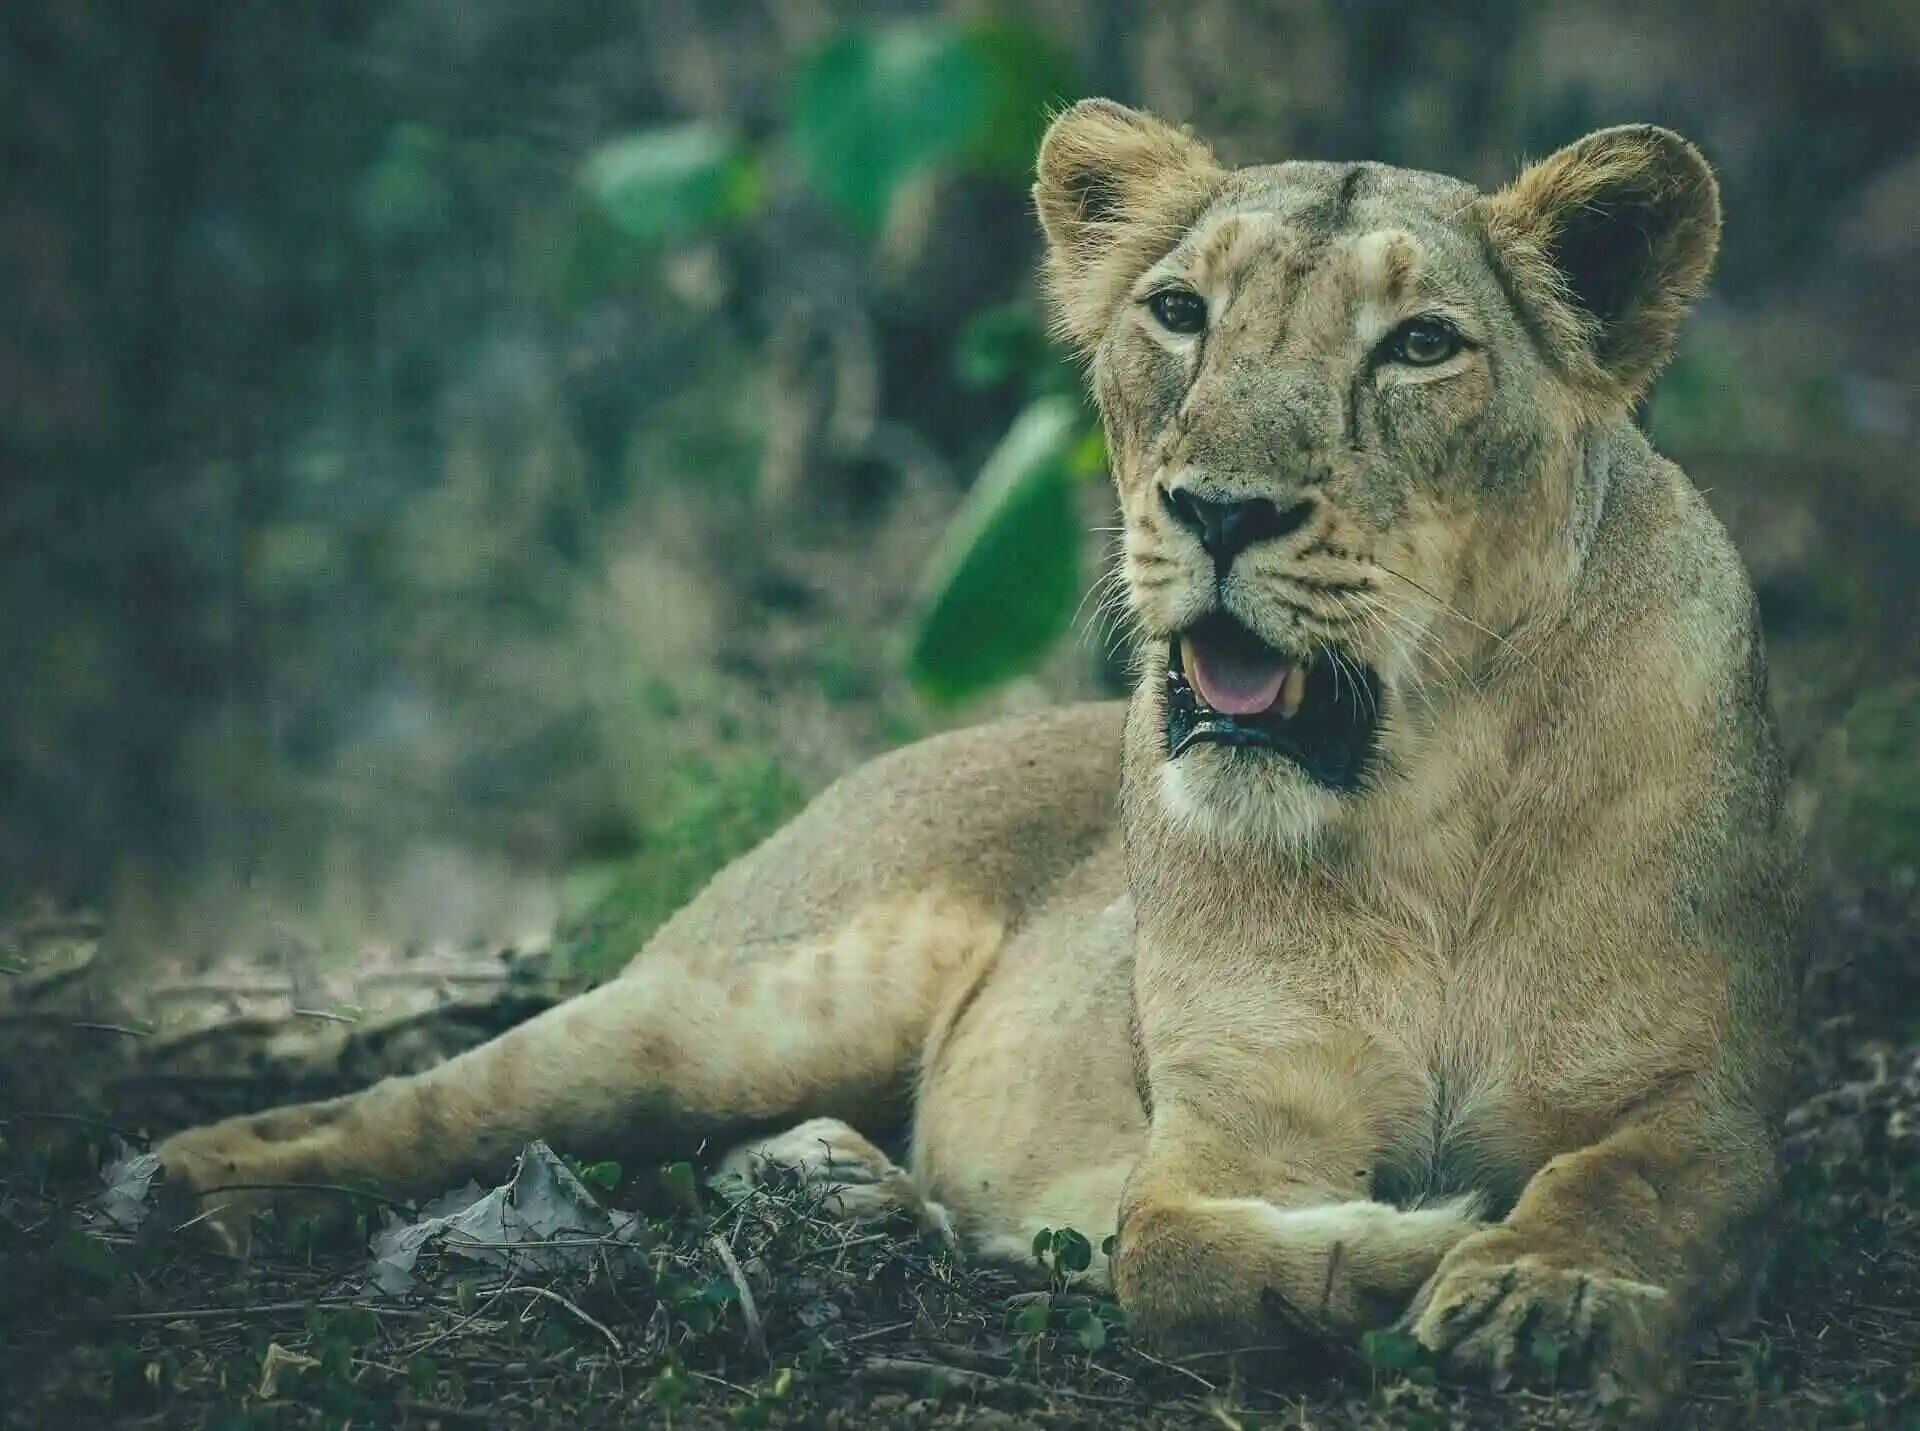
(1348, 410)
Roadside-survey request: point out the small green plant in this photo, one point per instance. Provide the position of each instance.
(602, 1177)
(671, 1387)
(1060, 1310)
(1064, 1252)
(681, 1184)
(765, 1402)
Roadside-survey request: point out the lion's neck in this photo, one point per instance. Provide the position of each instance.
(1409, 841)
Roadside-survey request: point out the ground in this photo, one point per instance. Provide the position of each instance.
(769, 1314)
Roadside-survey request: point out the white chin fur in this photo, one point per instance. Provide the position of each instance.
(1265, 802)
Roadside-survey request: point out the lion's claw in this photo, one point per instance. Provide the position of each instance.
(1525, 1317)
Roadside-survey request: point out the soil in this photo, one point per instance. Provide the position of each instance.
(773, 1315)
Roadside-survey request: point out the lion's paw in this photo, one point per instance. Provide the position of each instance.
(1509, 1315)
(217, 1176)
(206, 1189)
(855, 1180)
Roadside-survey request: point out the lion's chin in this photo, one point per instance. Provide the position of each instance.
(1228, 687)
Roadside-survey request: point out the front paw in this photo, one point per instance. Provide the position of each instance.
(206, 1189)
(1502, 1310)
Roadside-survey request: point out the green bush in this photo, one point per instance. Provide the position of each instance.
(872, 110)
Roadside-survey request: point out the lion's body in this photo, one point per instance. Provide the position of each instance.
(1493, 1034)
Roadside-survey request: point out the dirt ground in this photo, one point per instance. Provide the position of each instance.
(769, 1314)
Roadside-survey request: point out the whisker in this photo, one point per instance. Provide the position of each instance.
(1361, 688)
(1103, 587)
(1111, 611)
(1378, 617)
(1423, 641)
(1459, 615)
(1333, 660)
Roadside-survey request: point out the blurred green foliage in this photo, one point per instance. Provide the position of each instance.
(873, 110)
(875, 107)
(1872, 774)
(1006, 579)
(673, 183)
(384, 371)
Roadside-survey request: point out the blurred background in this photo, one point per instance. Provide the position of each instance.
(469, 466)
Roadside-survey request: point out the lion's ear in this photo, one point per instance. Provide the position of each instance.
(1608, 242)
(1116, 189)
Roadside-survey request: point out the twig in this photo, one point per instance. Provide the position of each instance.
(600, 1327)
(122, 1029)
(435, 1410)
(918, 1375)
(830, 1248)
(713, 1380)
(33, 1117)
(209, 1314)
(756, 1334)
(1175, 1366)
(479, 1310)
(873, 1332)
(335, 1188)
(915, 1375)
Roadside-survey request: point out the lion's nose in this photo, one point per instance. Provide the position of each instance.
(1226, 529)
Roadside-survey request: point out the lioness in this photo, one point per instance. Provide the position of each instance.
(1416, 944)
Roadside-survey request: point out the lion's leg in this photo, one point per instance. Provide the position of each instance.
(1610, 1255)
(1249, 1214)
(690, 1044)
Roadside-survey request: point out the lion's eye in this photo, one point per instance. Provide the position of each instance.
(1179, 310)
(1423, 342)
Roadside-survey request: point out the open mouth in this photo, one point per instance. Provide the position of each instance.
(1225, 686)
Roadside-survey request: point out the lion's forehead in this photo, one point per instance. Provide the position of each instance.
(1353, 238)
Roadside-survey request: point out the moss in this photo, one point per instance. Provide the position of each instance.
(710, 813)
(1873, 780)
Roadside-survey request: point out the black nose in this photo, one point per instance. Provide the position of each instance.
(1226, 529)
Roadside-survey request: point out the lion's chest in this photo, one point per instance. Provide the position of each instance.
(1502, 1056)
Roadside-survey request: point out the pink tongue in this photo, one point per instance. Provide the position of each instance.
(1232, 684)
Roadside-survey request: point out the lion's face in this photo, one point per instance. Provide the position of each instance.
(1345, 407)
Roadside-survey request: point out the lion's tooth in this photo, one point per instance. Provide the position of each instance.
(1293, 692)
(1186, 659)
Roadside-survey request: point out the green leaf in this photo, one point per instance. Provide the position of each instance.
(1042, 1244)
(1391, 1351)
(1544, 1350)
(1089, 457)
(1025, 79)
(1032, 1319)
(1007, 576)
(405, 192)
(1088, 1329)
(873, 107)
(423, 1375)
(671, 1388)
(1000, 344)
(1071, 1251)
(604, 1176)
(665, 185)
(682, 1185)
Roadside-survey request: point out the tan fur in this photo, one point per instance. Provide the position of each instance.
(1495, 1044)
